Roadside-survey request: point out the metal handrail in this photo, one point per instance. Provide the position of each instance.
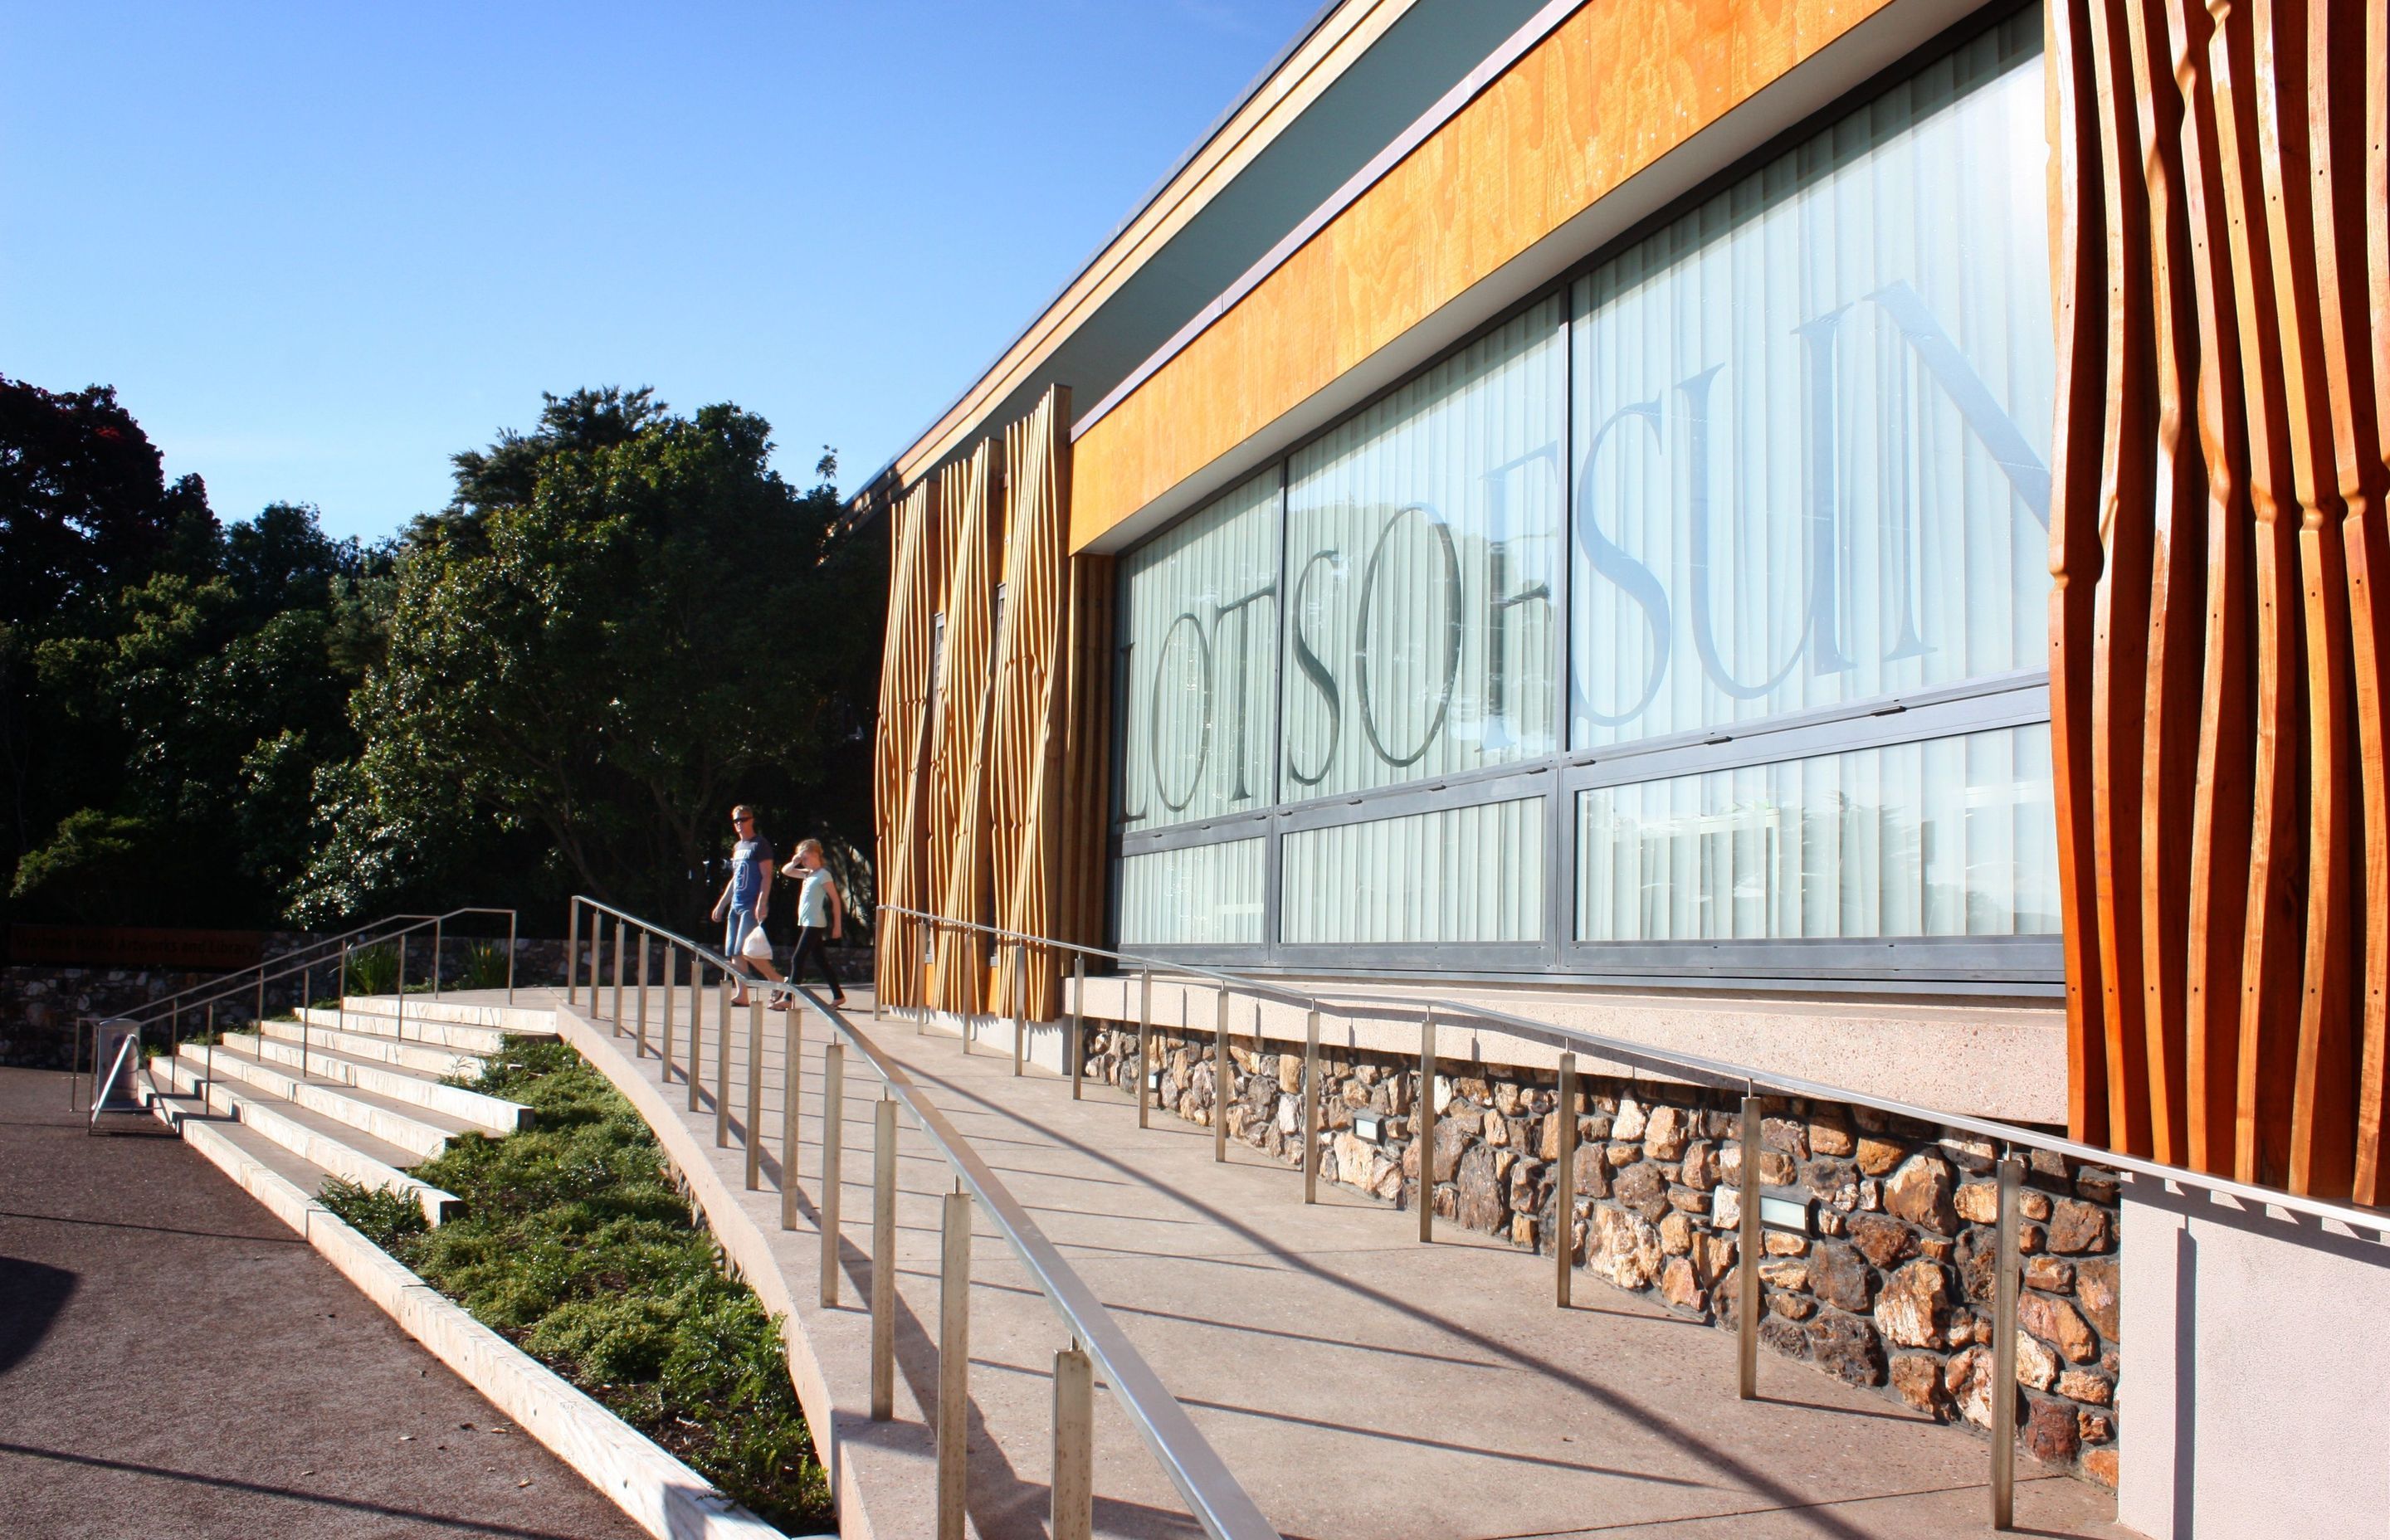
(1212, 1495)
(169, 1008)
(1722, 1074)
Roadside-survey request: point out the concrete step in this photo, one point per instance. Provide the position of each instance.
(517, 1020)
(165, 1105)
(313, 1138)
(425, 1058)
(474, 1109)
(412, 1028)
(416, 1135)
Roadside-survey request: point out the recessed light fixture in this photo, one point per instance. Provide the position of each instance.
(1371, 1126)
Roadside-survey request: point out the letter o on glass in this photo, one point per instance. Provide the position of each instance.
(1451, 636)
(1153, 727)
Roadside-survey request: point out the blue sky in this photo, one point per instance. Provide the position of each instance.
(319, 247)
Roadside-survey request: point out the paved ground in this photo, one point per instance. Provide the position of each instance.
(1359, 1384)
(175, 1361)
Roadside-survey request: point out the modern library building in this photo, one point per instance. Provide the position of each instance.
(1841, 536)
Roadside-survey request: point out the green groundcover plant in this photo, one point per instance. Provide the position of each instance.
(575, 1245)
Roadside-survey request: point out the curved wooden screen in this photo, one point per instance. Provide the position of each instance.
(2219, 629)
(992, 745)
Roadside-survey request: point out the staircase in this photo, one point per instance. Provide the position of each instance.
(362, 1092)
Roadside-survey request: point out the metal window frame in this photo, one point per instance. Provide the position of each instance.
(2031, 965)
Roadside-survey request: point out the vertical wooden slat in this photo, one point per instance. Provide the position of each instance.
(2362, 197)
(2170, 733)
(2218, 890)
(2120, 691)
(2080, 290)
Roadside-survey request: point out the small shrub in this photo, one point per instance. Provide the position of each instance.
(485, 966)
(374, 969)
(383, 1215)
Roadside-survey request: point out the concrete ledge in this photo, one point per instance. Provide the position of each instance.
(662, 1495)
(1993, 1059)
(494, 1114)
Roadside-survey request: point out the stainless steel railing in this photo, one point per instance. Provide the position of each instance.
(329, 954)
(1212, 1494)
(1754, 1083)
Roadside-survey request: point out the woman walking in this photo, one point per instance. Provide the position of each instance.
(745, 900)
(821, 916)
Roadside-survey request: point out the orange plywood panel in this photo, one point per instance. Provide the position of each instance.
(1608, 92)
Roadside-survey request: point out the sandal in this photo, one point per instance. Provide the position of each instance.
(779, 1004)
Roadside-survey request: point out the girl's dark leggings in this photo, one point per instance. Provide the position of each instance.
(813, 940)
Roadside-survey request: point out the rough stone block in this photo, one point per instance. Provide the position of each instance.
(1911, 1309)
(1847, 1348)
(1919, 1192)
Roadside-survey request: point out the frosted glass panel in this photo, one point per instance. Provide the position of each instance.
(1466, 873)
(1813, 419)
(1953, 837)
(1422, 541)
(1203, 895)
(1200, 631)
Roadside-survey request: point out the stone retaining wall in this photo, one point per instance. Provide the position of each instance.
(1890, 1289)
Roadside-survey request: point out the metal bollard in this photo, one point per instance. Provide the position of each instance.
(793, 1071)
(1144, 1045)
(1311, 1106)
(671, 966)
(1424, 1128)
(1078, 1022)
(1073, 1513)
(1020, 1001)
(721, 1062)
(572, 953)
(833, 1141)
(954, 1366)
(755, 1089)
(1564, 1181)
(1746, 1258)
(640, 1051)
(1224, 1075)
(883, 1260)
(2004, 1347)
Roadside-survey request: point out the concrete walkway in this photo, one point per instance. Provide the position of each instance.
(175, 1361)
(1360, 1384)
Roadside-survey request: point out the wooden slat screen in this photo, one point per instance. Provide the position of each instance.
(997, 818)
(2219, 624)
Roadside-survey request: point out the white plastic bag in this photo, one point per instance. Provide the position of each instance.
(757, 947)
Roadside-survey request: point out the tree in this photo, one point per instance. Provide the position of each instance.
(623, 622)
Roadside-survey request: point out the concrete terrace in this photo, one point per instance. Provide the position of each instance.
(1360, 1384)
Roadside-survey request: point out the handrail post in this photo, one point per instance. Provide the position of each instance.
(1424, 1128)
(721, 1062)
(2004, 1349)
(306, 1003)
(1747, 1250)
(261, 1001)
(920, 977)
(755, 1088)
(953, 1365)
(341, 1005)
(884, 1259)
(597, 945)
(512, 918)
(1072, 1515)
(1020, 1001)
(833, 1143)
(1223, 1076)
(435, 961)
(1311, 1105)
(622, 934)
(1078, 1047)
(1144, 1045)
(793, 1069)
(672, 968)
(696, 1031)
(1564, 1182)
(398, 1027)
(639, 1050)
(571, 952)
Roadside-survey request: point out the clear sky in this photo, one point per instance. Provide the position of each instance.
(319, 248)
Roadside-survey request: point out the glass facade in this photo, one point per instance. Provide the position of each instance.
(1701, 600)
